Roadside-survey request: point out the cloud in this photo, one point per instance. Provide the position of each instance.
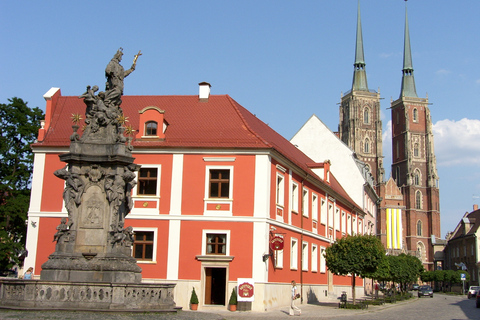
(442, 72)
(457, 142)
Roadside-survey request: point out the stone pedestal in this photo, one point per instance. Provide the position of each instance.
(93, 244)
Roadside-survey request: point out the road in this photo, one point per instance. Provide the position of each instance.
(440, 307)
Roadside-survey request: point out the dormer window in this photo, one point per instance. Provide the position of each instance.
(151, 128)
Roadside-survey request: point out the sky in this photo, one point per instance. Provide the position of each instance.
(282, 60)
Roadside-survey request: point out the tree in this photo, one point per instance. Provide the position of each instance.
(19, 126)
(357, 255)
(405, 269)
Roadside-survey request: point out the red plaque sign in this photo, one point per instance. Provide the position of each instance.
(245, 290)
(276, 243)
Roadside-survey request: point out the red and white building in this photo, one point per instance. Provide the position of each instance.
(216, 185)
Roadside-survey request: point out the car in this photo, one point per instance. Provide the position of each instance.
(415, 286)
(472, 291)
(425, 291)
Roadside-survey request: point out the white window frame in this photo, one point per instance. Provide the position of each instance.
(295, 197)
(344, 221)
(337, 219)
(155, 240)
(360, 226)
(278, 254)
(305, 202)
(280, 190)
(314, 207)
(304, 256)
(145, 199)
(330, 215)
(314, 266)
(218, 201)
(294, 254)
(323, 211)
(212, 231)
(323, 263)
(349, 224)
(354, 222)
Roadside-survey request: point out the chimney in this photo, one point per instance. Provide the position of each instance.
(475, 207)
(204, 91)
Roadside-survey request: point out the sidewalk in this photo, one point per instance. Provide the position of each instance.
(322, 310)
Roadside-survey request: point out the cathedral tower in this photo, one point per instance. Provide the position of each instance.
(360, 125)
(413, 162)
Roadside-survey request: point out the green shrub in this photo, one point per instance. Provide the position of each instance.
(233, 298)
(194, 298)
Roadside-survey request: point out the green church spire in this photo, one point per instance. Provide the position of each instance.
(408, 81)
(359, 74)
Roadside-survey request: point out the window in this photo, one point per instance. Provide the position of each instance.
(323, 212)
(415, 115)
(219, 183)
(151, 128)
(305, 202)
(337, 219)
(143, 245)
(314, 258)
(305, 256)
(366, 148)
(330, 215)
(295, 197)
(349, 224)
(360, 226)
(147, 181)
(279, 258)
(416, 177)
(419, 228)
(354, 226)
(314, 207)
(280, 190)
(344, 223)
(216, 243)
(418, 200)
(366, 116)
(323, 264)
(416, 150)
(293, 254)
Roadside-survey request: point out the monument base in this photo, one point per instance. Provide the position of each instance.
(39, 294)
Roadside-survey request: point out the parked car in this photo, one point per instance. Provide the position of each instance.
(415, 287)
(472, 291)
(425, 291)
(477, 300)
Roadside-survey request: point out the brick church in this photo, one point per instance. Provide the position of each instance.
(409, 213)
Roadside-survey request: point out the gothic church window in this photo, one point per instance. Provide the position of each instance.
(416, 152)
(418, 200)
(415, 115)
(416, 177)
(366, 116)
(419, 228)
(367, 146)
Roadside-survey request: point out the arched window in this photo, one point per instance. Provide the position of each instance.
(366, 115)
(418, 200)
(415, 115)
(416, 177)
(151, 128)
(419, 228)
(366, 149)
(416, 150)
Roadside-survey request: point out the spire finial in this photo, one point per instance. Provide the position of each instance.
(359, 73)
(408, 81)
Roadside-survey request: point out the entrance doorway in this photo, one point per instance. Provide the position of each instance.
(215, 282)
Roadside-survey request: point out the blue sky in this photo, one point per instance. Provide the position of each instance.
(283, 60)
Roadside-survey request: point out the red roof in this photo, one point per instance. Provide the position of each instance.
(219, 122)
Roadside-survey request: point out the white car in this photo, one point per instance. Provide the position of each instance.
(472, 291)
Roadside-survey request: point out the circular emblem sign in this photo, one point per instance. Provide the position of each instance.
(245, 290)
(276, 243)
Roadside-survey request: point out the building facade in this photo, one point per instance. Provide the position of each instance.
(215, 187)
(409, 213)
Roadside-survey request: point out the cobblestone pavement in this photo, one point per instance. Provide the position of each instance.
(441, 307)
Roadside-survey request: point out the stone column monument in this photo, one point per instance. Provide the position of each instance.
(93, 244)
